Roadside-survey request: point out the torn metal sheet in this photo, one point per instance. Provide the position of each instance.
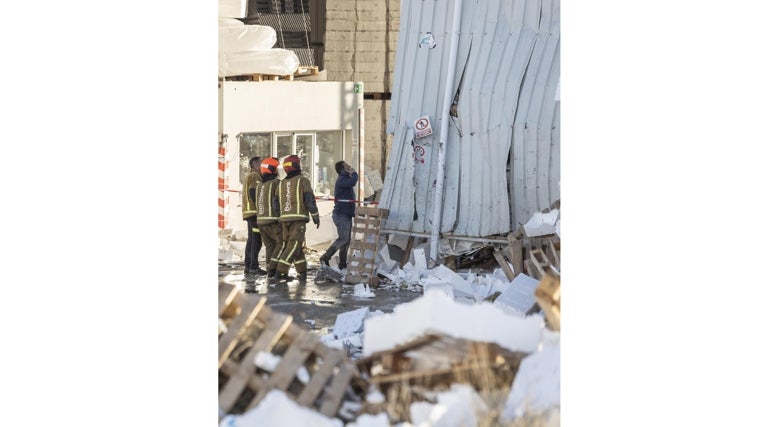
(502, 150)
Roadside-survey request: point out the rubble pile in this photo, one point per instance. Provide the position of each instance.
(478, 347)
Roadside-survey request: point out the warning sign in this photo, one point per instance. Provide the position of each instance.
(422, 127)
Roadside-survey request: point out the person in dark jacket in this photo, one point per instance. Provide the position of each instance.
(296, 203)
(343, 213)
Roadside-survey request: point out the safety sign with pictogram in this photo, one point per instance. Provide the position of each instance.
(422, 127)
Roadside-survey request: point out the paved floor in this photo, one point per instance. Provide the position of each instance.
(314, 305)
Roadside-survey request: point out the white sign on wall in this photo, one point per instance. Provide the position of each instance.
(427, 41)
(422, 127)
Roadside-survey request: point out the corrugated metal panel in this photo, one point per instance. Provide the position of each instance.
(507, 70)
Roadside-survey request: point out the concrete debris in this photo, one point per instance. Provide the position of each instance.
(226, 254)
(541, 224)
(519, 295)
(348, 332)
(435, 311)
(367, 420)
(362, 290)
(385, 258)
(460, 406)
(350, 323)
(279, 410)
(536, 386)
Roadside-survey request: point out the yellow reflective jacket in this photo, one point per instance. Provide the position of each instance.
(296, 199)
(266, 201)
(249, 193)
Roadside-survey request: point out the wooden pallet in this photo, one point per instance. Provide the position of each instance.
(301, 71)
(306, 70)
(539, 263)
(548, 298)
(435, 362)
(230, 300)
(534, 255)
(260, 77)
(257, 328)
(365, 240)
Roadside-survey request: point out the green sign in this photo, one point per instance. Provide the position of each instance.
(357, 88)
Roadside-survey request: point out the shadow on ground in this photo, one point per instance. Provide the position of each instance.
(315, 304)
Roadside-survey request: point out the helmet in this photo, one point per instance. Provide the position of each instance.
(291, 163)
(269, 166)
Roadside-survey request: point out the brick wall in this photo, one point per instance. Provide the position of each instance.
(360, 39)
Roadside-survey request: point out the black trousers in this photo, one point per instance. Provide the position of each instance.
(253, 245)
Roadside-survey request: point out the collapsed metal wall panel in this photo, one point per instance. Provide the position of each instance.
(507, 71)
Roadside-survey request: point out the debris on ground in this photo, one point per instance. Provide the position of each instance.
(480, 346)
(262, 351)
(348, 332)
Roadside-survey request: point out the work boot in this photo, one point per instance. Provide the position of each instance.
(302, 277)
(257, 271)
(324, 262)
(282, 277)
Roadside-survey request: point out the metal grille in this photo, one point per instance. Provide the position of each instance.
(290, 19)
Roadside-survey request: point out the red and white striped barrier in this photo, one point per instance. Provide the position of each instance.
(347, 200)
(223, 198)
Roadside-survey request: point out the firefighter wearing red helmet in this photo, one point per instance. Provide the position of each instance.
(268, 211)
(296, 203)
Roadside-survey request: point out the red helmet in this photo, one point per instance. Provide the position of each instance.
(269, 166)
(291, 163)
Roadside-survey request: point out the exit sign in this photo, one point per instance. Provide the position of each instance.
(357, 88)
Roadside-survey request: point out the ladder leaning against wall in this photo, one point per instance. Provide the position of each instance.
(365, 239)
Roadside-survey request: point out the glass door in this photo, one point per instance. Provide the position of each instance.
(305, 151)
(284, 145)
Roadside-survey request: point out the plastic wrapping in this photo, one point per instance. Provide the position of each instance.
(230, 22)
(273, 61)
(233, 8)
(246, 38)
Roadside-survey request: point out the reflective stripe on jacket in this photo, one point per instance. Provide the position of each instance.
(249, 205)
(268, 210)
(291, 194)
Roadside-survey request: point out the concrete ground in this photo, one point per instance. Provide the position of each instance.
(315, 304)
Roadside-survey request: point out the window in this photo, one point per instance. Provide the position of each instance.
(329, 150)
(318, 151)
(252, 145)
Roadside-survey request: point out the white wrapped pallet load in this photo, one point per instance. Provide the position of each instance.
(233, 8)
(230, 22)
(278, 62)
(246, 38)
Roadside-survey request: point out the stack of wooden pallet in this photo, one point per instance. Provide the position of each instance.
(248, 327)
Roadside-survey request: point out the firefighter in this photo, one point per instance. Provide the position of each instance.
(296, 202)
(268, 211)
(253, 244)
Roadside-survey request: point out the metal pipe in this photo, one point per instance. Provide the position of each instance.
(444, 131)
